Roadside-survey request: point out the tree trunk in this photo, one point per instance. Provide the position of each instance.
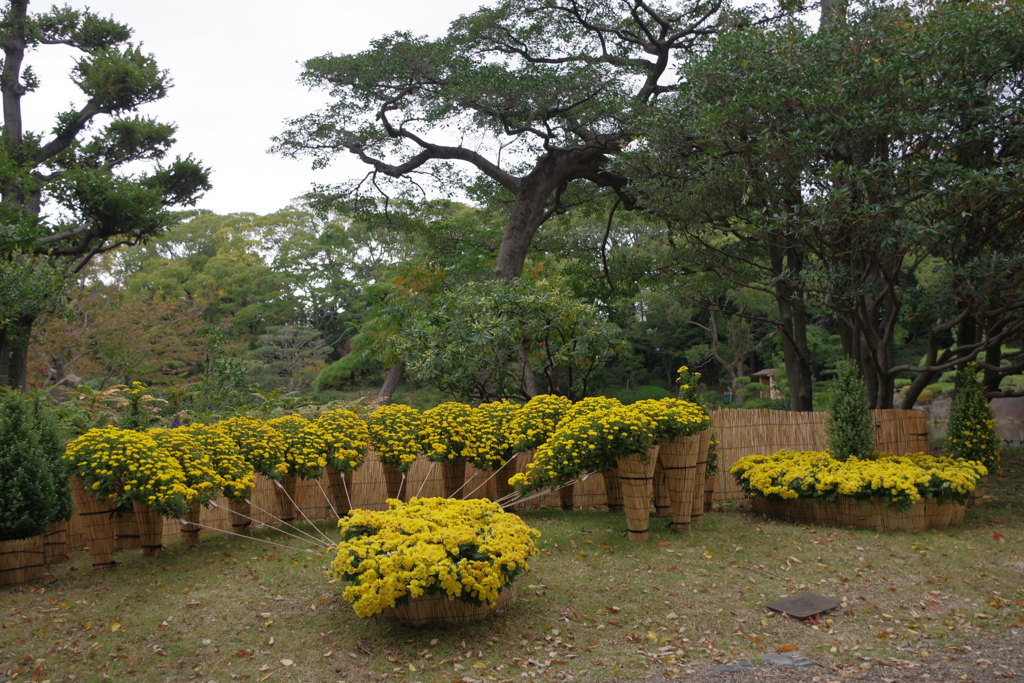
(793, 320)
(394, 376)
(916, 387)
(529, 379)
(524, 220)
(994, 357)
(832, 12)
(14, 341)
(553, 171)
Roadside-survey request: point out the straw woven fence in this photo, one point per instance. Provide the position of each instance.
(750, 432)
(742, 432)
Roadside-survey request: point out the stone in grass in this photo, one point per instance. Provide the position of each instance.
(773, 659)
(803, 605)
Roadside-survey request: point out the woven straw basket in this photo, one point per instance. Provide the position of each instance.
(190, 524)
(678, 459)
(151, 530)
(284, 494)
(393, 482)
(240, 512)
(870, 514)
(440, 609)
(636, 478)
(97, 518)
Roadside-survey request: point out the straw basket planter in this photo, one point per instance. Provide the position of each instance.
(662, 499)
(394, 482)
(284, 494)
(97, 518)
(863, 514)
(613, 490)
(453, 474)
(704, 441)
(240, 513)
(502, 489)
(979, 493)
(338, 487)
(151, 530)
(636, 477)
(678, 459)
(710, 486)
(190, 524)
(55, 542)
(21, 560)
(126, 530)
(567, 496)
(440, 609)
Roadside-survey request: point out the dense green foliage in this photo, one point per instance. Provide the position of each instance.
(34, 488)
(805, 194)
(871, 167)
(971, 430)
(849, 428)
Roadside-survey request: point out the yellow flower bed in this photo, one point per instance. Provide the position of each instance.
(200, 474)
(347, 438)
(395, 435)
(535, 422)
(232, 474)
(306, 452)
(125, 465)
(899, 480)
(494, 441)
(674, 418)
(449, 431)
(263, 447)
(464, 549)
(588, 442)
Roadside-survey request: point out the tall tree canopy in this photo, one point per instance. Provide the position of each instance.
(837, 166)
(77, 170)
(531, 96)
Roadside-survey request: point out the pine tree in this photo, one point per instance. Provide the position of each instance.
(971, 432)
(850, 429)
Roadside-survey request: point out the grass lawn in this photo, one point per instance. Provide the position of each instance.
(593, 606)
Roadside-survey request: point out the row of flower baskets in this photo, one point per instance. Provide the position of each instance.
(167, 468)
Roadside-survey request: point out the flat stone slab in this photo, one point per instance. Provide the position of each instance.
(735, 668)
(773, 659)
(793, 658)
(803, 605)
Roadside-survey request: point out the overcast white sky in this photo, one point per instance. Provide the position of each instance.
(234, 64)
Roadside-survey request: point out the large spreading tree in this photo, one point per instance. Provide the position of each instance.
(74, 190)
(531, 97)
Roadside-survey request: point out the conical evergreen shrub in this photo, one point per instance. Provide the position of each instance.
(849, 428)
(971, 431)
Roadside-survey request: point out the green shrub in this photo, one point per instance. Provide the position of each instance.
(849, 427)
(52, 440)
(649, 391)
(939, 388)
(33, 486)
(765, 403)
(971, 432)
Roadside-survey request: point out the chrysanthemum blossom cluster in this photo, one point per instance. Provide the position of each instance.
(901, 481)
(467, 550)
(592, 438)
